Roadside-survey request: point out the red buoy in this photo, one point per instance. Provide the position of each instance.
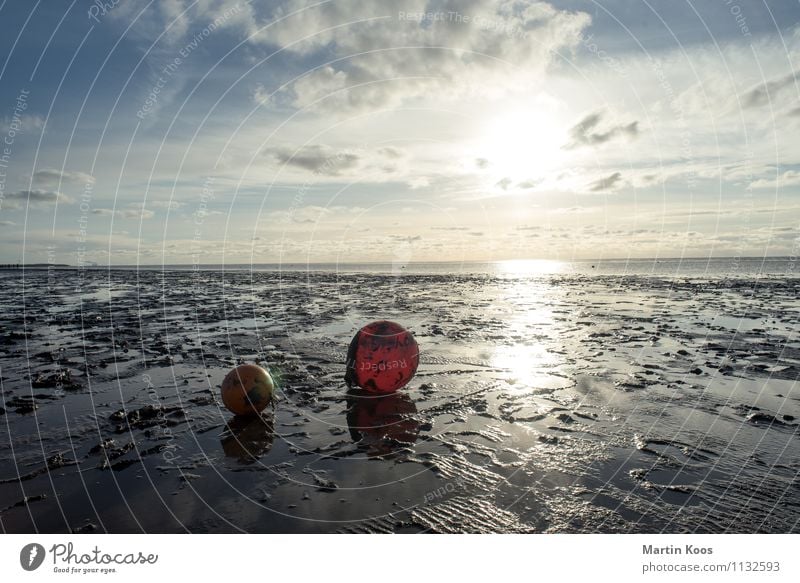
(383, 357)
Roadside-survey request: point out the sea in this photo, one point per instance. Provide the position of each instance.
(693, 267)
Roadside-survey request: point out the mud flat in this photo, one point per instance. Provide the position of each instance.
(551, 403)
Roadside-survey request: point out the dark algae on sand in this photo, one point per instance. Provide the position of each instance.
(550, 403)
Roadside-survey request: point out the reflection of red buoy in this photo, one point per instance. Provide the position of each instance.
(384, 424)
(383, 357)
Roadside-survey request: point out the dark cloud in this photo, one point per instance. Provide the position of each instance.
(481, 163)
(389, 152)
(328, 161)
(504, 183)
(762, 94)
(606, 183)
(36, 198)
(130, 213)
(316, 158)
(409, 239)
(588, 132)
(571, 209)
(529, 183)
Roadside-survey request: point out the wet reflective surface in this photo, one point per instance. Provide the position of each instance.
(544, 401)
(247, 439)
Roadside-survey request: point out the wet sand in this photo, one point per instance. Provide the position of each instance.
(555, 403)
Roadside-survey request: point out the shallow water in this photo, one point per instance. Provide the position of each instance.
(544, 402)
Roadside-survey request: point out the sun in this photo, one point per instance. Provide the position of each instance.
(521, 147)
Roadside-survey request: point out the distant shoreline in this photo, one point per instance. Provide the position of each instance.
(293, 264)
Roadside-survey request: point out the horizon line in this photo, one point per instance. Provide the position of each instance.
(468, 261)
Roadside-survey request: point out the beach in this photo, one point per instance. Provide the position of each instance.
(590, 400)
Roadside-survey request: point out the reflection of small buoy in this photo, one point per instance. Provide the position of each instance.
(248, 438)
(247, 390)
(382, 357)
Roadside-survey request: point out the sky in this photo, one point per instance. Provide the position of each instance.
(226, 131)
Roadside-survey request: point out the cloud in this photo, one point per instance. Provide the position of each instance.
(171, 205)
(532, 183)
(7, 223)
(504, 46)
(504, 183)
(319, 159)
(324, 160)
(24, 122)
(180, 21)
(607, 183)
(449, 229)
(53, 177)
(570, 210)
(481, 163)
(392, 153)
(407, 239)
(132, 213)
(307, 215)
(202, 214)
(587, 132)
(416, 182)
(788, 178)
(36, 199)
(136, 214)
(260, 94)
(763, 93)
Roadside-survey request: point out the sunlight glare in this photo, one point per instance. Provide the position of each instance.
(522, 145)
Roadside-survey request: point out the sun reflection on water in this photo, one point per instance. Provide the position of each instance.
(525, 366)
(526, 355)
(523, 267)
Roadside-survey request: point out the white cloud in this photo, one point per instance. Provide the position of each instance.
(138, 214)
(53, 177)
(25, 122)
(384, 54)
(788, 178)
(171, 205)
